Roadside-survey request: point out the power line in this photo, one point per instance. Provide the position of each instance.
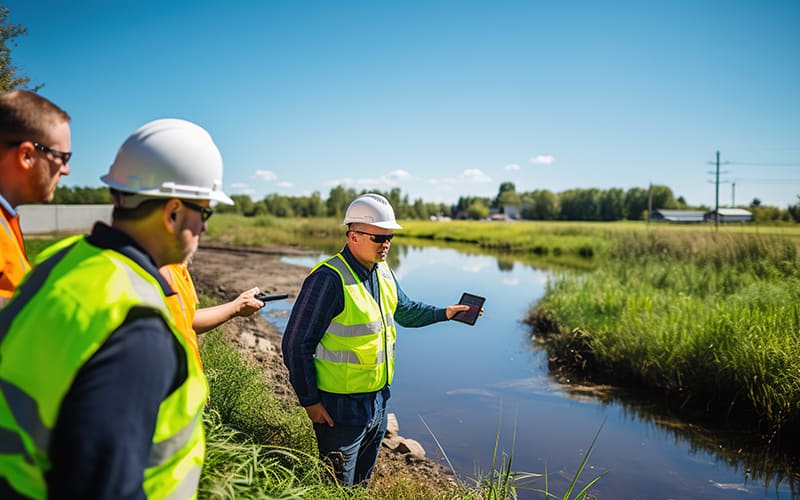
(764, 164)
(768, 181)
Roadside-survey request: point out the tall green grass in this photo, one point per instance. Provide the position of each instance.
(713, 319)
(266, 230)
(258, 447)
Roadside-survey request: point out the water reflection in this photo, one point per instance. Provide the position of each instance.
(468, 382)
(757, 462)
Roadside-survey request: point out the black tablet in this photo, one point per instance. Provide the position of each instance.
(475, 304)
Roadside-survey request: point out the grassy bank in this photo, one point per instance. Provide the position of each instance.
(711, 318)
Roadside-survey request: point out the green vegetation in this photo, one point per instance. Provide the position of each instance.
(35, 245)
(582, 244)
(268, 230)
(9, 80)
(257, 447)
(713, 319)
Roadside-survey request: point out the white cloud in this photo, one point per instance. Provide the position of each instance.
(265, 175)
(347, 181)
(476, 175)
(390, 179)
(543, 159)
(285, 184)
(398, 175)
(511, 168)
(240, 185)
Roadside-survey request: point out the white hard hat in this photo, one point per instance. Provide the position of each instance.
(371, 209)
(169, 158)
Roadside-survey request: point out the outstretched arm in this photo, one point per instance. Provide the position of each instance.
(209, 318)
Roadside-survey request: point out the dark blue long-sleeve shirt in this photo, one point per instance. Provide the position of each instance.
(321, 299)
(102, 438)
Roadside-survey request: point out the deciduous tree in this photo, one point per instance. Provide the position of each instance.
(9, 80)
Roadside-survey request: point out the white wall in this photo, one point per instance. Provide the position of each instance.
(52, 218)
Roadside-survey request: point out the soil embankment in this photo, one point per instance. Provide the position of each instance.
(223, 271)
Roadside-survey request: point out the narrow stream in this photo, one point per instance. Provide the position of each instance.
(469, 383)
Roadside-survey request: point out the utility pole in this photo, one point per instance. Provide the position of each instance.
(716, 184)
(716, 222)
(733, 194)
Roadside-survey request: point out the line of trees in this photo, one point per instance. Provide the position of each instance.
(574, 204)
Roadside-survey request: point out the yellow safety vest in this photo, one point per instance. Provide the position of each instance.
(47, 333)
(356, 352)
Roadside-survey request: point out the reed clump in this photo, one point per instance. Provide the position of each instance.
(713, 319)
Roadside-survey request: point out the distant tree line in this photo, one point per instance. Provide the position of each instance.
(68, 195)
(574, 204)
(334, 206)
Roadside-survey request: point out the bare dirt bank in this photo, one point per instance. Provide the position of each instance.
(222, 272)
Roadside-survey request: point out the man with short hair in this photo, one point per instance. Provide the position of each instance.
(34, 154)
(101, 396)
(339, 343)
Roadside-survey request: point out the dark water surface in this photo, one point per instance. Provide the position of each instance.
(470, 382)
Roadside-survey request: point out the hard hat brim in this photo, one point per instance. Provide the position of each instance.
(170, 190)
(383, 225)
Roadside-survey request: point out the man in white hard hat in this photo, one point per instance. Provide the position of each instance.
(339, 342)
(102, 396)
(34, 154)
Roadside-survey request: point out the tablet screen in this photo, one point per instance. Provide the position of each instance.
(475, 304)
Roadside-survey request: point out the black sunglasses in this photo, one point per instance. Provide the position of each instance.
(44, 149)
(377, 238)
(58, 154)
(205, 212)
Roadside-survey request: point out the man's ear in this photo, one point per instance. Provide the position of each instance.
(24, 154)
(170, 215)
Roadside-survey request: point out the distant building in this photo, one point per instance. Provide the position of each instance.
(729, 215)
(677, 216)
(512, 211)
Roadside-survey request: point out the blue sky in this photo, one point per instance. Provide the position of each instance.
(439, 98)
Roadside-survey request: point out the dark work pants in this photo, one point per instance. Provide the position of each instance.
(353, 450)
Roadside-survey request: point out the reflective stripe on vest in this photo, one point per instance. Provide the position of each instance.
(56, 306)
(356, 352)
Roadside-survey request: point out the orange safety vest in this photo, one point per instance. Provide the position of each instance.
(183, 303)
(13, 261)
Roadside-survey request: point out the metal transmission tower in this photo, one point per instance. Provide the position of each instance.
(716, 183)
